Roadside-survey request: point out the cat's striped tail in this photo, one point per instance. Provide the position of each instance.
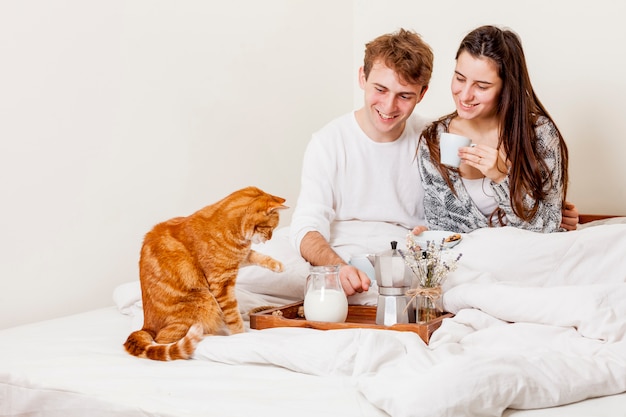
(140, 343)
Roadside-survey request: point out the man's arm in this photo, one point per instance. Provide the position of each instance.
(316, 250)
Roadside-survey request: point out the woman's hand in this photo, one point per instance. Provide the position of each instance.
(485, 159)
(419, 229)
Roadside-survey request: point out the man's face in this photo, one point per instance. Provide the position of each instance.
(388, 103)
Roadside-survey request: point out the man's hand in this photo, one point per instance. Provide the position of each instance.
(316, 250)
(353, 280)
(569, 216)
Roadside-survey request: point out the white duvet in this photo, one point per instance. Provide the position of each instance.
(540, 321)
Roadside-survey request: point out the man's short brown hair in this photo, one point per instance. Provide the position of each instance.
(404, 52)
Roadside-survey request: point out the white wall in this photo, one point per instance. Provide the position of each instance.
(115, 115)
(576, 58)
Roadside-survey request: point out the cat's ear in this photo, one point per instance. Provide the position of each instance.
(280, 207)
(276, 203)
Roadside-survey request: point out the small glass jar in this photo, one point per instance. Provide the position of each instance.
(428, 303)
(324, 299)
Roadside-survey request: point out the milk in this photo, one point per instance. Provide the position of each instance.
(326, 305)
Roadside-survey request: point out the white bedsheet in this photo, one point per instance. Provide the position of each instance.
(540, 321)
(77, 367)
(476, 364)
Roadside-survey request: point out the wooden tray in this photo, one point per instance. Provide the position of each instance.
(358, 317)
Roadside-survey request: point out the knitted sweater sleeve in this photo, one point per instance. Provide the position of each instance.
(439, 202)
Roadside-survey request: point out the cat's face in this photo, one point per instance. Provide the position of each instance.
(263, 231)
(263, 216)
(266, 220)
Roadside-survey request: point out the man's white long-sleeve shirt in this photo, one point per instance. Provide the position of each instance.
(348, 178)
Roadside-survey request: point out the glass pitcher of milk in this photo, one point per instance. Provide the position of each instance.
(324, 299)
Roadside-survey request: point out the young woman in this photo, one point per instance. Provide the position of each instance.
(515, 172)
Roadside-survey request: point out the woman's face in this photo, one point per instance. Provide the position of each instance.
(476, 87)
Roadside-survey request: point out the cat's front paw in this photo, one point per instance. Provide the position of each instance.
(275, 266)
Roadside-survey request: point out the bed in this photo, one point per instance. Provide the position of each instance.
(539, 331)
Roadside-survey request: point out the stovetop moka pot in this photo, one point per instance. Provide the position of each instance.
(393, 278)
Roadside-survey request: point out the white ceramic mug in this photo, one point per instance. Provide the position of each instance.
(449, 145)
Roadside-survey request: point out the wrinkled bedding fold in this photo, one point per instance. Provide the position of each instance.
(540, 321)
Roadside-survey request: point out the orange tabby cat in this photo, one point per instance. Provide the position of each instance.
(188, 267)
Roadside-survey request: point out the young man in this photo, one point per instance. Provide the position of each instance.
(360, 184)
